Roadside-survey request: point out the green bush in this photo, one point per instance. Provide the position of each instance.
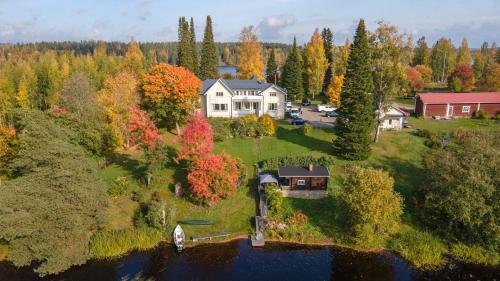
(112, 244)
(475, 254)
(120, 187)
(221, 128)
(305, 130)
(272, 164)
(154, 214)
(455, 85)
(420, 248)
(274, 198)
(481, 114)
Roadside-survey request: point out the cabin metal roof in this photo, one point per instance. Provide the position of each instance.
(317, 172)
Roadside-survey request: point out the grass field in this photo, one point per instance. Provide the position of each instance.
(400, 153)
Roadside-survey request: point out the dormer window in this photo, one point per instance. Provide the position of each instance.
(219, 94)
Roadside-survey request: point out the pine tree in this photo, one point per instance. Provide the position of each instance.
(184, 51)
(422, 53)
(208, 67)
(356, 116)
(464, 55)
(272, 68)
(192, 48)
(327, 36)
(292, 73)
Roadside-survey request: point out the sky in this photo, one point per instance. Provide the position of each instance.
(274, 20)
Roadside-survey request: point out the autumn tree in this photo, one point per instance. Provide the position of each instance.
(464, 56)
(415, 80)
(443, 60)
(79, 96)
(369, 203)
(327, 37)
(389, 69)
(334, 89)
(197, 138)
(250, 55)
(118, 97)
(22, 97)
(142, 130)
(291, 79)
(209, 61)
(272, 68)
(490, 81)
(134, 59)
(316, 63)
(355, 114)
(425, 71)
(213, 177)
(422, 53)
(341, 56)
(465, 74)
(171, 94)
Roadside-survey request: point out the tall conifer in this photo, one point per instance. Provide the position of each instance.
(327, 36)
(292, 73)
(356, 114)
(208, 66)
(192, 48)
(272, 68)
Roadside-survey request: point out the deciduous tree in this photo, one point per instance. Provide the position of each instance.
(490, 81)
(465, 74)
(334, 89)
(134, 59)
(142, 130)
(443, 60)
(171, 94)
(197, 138)
(464, 56)
(250, 55)
(415, 80)
(341, 57)
(316, 64)
(79, 97)
(422, 53)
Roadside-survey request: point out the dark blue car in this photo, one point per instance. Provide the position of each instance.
(298, 121)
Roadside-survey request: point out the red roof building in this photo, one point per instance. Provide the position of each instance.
(457, 104)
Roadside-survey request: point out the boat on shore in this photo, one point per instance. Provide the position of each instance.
(179, 238)
(197, 222)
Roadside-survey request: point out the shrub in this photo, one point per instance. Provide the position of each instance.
(4, 251)
(306, 129)
(116, 243)
(274, 198)
(455, 85)
(297, 219)
(481, 114)
(150, 214)
(272, 164)
(197, 138)
(269, 125)
(221, 128)
(420, 248)
(475, 254)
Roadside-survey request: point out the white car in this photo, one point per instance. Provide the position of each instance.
(294, 112)
(325, 108)
(288, 106)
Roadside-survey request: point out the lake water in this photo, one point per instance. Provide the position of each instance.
(227, 69)
(237, 260)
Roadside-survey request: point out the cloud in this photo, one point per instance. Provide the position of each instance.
(271, 27)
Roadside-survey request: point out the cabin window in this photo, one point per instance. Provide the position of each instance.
(272, 94)
(219, 94)
(273, 106)
(219, 107)
(301, 182)
(465, 109)
(237, 105)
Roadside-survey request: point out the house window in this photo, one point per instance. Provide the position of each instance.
(237, 105)
(273, 106)
(390, 121)
(465, 109)
(247, 105)
(219, 107)
(301, 182)
(272, 94)
(219, 94)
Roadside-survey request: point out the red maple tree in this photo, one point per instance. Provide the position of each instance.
(142, 130)
(197, 138)
(465, 74)
(213, 177)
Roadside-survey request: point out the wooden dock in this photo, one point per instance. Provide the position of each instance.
(257, 239)
(210, 236)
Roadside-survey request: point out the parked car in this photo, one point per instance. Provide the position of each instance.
(332, 113)
(325, 108)
(298, 121)
(288, 106)
(294, 112)
(305, 102)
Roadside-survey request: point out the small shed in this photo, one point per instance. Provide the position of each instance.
(267, 178)
(303, 178)
(393, 119)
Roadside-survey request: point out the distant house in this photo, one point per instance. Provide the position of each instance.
(303, 178)
(238, 98)
(450, 105)
(393, 119)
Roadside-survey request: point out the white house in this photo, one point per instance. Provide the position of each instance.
(237, 98)
(393, 119)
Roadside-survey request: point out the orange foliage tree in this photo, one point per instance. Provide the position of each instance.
(170, 94)
(465, 74)
(213, 177)
(250, 55)
(197, 138)
(415, 80)
(333, 90)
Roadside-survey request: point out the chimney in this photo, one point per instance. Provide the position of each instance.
(310, 167)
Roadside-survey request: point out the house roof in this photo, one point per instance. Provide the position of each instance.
(267, 178)
(317, 171)
(443, 98)
(239, 84)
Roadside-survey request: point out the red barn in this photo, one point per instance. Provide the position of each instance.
(457, 104)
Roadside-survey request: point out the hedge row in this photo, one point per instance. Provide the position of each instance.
(249, 126)
(271, 164)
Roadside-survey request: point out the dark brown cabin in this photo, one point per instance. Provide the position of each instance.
(303, 178)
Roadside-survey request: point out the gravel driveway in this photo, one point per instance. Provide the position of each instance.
(315, 118)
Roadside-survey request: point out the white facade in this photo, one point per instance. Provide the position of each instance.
(392, 119)
(220, 100)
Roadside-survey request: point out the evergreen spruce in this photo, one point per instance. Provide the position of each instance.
(184, 56)
(356, 115)
(292, 73)
(272, 68)
(208, 67)
(192, 48)
(327, 36)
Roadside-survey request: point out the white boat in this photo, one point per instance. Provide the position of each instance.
(179, 238)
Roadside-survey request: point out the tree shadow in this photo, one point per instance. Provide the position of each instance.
(293, 136)
(133, 166)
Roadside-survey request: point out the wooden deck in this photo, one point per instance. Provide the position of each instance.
(210, 236)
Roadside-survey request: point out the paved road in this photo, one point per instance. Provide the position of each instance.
(315, 118)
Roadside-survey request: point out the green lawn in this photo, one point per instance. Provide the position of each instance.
(399, 152)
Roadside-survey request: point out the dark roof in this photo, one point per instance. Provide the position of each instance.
(238, 84)
(317, 171)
